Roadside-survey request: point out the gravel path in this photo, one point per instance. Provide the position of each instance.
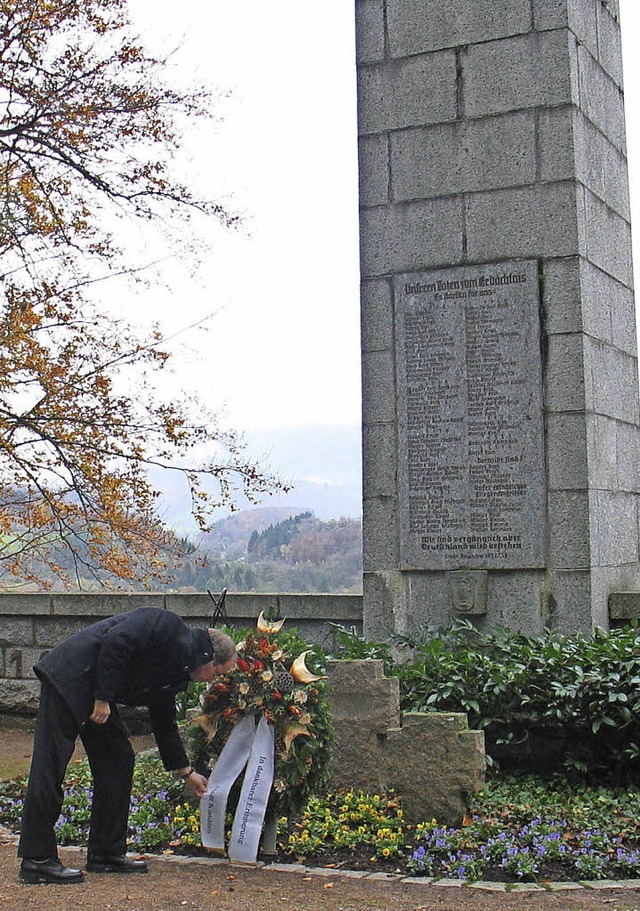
(173, 884)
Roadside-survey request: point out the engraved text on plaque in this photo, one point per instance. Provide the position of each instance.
(470, 417)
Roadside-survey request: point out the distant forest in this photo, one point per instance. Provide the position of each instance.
(299, 553)
(270, 549)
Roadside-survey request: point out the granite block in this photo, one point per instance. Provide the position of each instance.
(380, 525)
(474, 155)
(515, 602)
(49, 631)
(627, 459)
(102, 605)
(373, 158)
(384, 593)
(561, 295)
(431, 25)
(601, 167)
(608, 308)
(411, 236)
(615, 524)
(376, 302)
(567, 464)
(378, 388)
(380, 456)
(601, 99)
(608, 579)
(602, 451)
(623, 323)
(513, 74)
(624, 605)
(16, 630)
(608, 239)
(583, 23)
(522, 223)
(578, 16)
(611, 372)
(609, 42)
(567, 388)
(569, 529)
(369, 30)
(429, 600)
(19, 697)
(408, 92)
(378, 701)
(556, 143)
(551, 14)
(613, 8)
(26, 604)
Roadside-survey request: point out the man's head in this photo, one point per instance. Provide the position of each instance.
(223, 661)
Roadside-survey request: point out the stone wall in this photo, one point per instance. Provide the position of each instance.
(32, 624)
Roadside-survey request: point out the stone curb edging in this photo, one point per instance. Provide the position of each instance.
(185, 860)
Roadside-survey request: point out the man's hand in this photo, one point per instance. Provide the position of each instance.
(101, 711)
(197, 784)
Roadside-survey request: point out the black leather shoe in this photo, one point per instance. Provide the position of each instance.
(115, 863)
(49, 870)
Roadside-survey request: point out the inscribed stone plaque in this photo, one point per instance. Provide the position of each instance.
(470, 418)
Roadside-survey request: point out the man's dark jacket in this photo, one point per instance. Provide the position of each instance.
(143, 657)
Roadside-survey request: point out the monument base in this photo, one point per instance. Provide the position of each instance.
(569, 601)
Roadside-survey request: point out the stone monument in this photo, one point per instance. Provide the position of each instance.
(500, 382)
(432, 759)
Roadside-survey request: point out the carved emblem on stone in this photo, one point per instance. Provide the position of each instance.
(468, 591)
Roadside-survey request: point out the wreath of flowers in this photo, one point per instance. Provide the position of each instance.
(268, 681)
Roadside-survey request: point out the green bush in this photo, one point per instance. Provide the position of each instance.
(545, 702)
(350, 646)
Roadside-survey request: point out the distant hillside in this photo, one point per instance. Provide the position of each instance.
(228, 538)
(249, 552)
(322, 464)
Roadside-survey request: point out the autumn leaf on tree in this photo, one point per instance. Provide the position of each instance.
(88, 128)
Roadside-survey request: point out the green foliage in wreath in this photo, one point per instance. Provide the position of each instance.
(272, 679)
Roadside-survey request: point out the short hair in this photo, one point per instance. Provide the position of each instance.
(223, 646)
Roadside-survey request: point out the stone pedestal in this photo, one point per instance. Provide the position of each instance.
(500, 382)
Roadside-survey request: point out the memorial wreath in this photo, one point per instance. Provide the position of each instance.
(270, 716)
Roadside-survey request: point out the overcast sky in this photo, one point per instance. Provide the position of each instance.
(630, 16)
(283, 347)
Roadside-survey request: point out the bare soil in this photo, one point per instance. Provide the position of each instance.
(16, 740)
(173, 886)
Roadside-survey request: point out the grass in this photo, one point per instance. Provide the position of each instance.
(520, 828)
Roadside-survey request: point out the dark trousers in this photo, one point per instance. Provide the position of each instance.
(111, 759)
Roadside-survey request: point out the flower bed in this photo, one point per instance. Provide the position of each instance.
(521, 830)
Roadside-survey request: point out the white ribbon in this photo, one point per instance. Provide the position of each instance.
(231, 762)
(249, 747)
(254, 796)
